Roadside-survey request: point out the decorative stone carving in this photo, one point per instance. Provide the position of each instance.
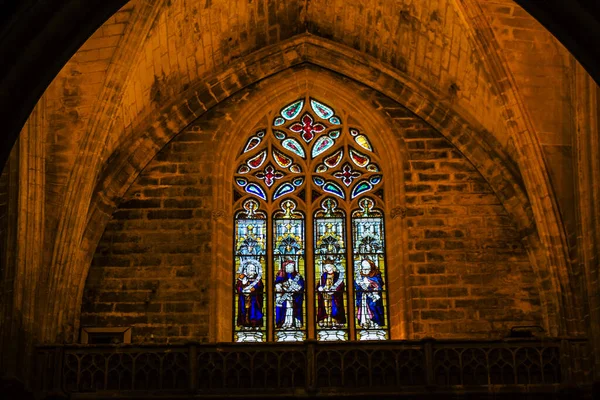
(217, 214)
(398, 212)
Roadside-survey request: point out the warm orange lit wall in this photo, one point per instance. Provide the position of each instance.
(466, 272)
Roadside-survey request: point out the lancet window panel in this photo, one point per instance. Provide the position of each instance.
(305, 177)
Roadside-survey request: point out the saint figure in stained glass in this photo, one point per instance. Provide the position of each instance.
(308, 158)
(289, 296)
(250, 289)
(330, 296)
(368, 286)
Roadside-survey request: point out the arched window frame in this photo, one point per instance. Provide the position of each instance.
(291, 162)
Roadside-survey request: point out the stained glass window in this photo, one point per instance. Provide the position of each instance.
(305, 177)
(289, 271)
(250, 265)
(370, 294)
(330, 272)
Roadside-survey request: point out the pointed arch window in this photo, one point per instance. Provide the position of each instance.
(309, 251)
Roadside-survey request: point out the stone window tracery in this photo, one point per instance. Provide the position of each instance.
(309, 246)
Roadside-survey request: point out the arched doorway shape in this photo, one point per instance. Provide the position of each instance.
(179, 113)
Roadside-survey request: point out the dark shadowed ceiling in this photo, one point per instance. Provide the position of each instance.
(37, 37)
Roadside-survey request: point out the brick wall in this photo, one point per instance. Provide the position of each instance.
(468, 271)
(469, 274)
(152, 266)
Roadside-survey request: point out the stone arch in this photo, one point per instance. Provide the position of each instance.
(491, 163)
(279, 90)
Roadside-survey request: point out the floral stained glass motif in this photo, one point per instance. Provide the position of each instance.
(298, 182)
(279, 135)
(289, 271)
(269, 175)
(347, 174)
(370, 294)
(249, 268)
(307, 128)
(330, 272)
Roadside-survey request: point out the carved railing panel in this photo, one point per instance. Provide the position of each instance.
(312, 368)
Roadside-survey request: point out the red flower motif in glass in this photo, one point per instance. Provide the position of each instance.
(269, 175)
(347, 175)
(307, 128)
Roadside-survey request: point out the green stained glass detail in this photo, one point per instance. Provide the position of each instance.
(321, 109)
(334, 188)
(321, 145)
(278, 121)
(298, 181)
(361, 187)
(294, 146)
(335, 134)
(283, 189)
(291, 111)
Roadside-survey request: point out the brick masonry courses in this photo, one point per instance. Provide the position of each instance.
(468, 273)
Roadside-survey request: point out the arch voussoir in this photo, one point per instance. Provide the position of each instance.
(454, 124)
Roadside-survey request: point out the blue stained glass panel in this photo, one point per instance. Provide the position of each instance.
(289, 272)
(321, 109)
(256, 190)
(291, 111)
(298, 181)
(278, 121)
(375, 179)
(330, 276)
(334, 188)
(241, 181)
(294, 146)
(283, 189)
(361, 187)
(318, 180)
(370, 295)
(249, 304)
(335, 120)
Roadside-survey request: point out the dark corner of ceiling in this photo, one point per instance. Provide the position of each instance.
(37, 37)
